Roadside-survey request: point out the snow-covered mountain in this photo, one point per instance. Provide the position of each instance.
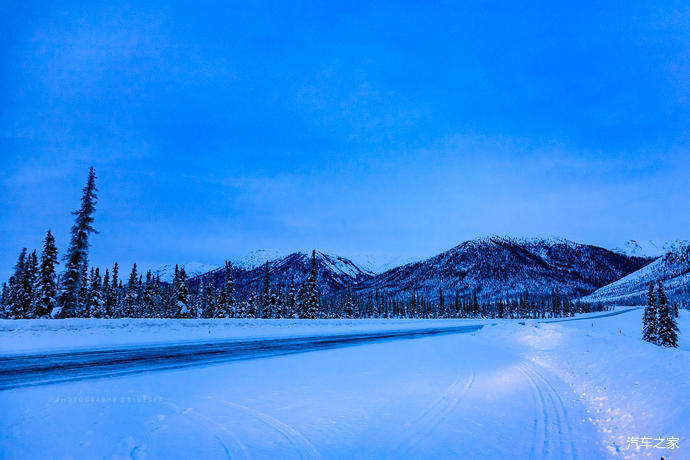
(258, 257)
(373, 263)
(333, 272)
(650, 248)
(495, 265)
(379, 263)
(673, 270)
(167, 272)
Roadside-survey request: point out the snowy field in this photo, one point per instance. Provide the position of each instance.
(572, 389)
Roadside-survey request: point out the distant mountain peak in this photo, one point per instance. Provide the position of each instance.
(166, 272)
(650, 248)
(495, 265)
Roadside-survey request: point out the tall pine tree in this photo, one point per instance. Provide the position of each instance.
(70, 301)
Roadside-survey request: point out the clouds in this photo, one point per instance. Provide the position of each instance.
(400, 127)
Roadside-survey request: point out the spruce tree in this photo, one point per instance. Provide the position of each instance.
(16, 297)
(47, 279)
(115, 293)
(441, 304)
(70, 302)
(649, 317)
(311, 306)
(226, 302)
(265, 295)
(3, 301)
(30, 286)
(667, 329)
(349, 307)
(131, 303)
(209, 298)
(291, 304)
(95, 298)
(181, 296)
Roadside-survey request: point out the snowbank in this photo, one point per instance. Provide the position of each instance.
(630, 388)
(66, 334)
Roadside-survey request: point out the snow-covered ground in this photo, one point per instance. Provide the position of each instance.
(573, 389)
(23, 336)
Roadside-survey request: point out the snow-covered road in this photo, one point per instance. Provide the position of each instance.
(22, 370)
(506, 391)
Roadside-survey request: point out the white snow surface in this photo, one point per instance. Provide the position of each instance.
(258, 257)
(572, 389)
(673, 270)
(167, 272)
(649, 248)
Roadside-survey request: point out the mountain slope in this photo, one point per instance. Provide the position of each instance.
(650, 248)
(496, 265)
(167, 272)
(333, 273)
(673, 270)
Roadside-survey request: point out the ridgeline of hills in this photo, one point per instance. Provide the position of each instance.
(493, 267)
(672, 269)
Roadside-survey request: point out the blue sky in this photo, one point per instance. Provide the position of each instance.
(399, 128)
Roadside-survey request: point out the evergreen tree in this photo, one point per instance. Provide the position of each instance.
(441, 304)
(47, 279)
(227, 303)
(311, 301)
(77, 254)
(667, 329)
(3, 301)
(16, 297)
(291, 304)
(30, 286)
(181, 296)
(649, 317)
(131, 302)
(209, 299)
(115, 290)
(349, 307)
(95, 307)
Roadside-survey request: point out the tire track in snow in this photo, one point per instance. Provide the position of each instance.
(560, 406)
(304, 448)
(414, 431)
(551, 405)
(540, 444)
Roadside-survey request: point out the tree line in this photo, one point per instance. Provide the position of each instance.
(35, 290)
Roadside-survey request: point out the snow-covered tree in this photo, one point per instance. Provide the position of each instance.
(30, 286)
(131, 302)
(310, 308)
(17, 299)
(94, 304)
(667, 329)
(291, 303)
(349, 307)
(70, 302)
(226, 302)
(3, 301)
(649, 317)
(209, 303)
(47, 278)
(181, 294)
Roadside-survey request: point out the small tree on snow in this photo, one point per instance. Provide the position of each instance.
(649, 327)
(667, 329)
